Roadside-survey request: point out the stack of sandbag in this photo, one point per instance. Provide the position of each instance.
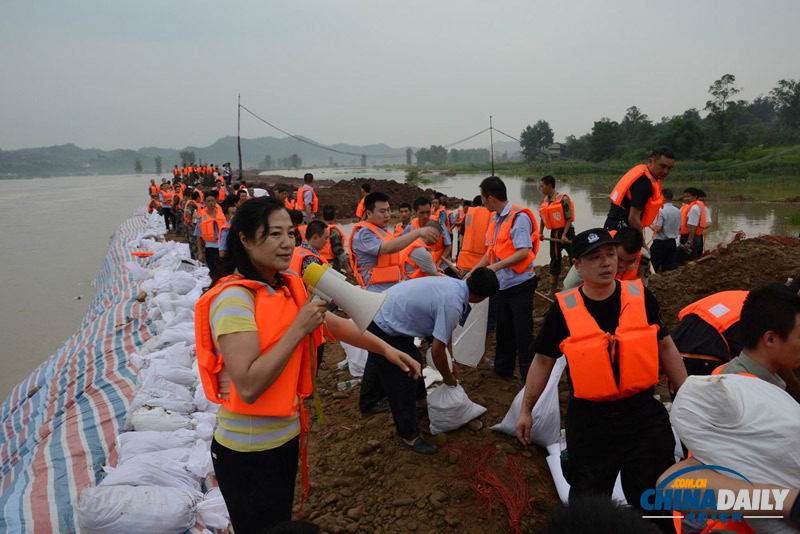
(161, 481)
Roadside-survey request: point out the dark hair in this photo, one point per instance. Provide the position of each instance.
(315, 227)
(421, 201)
(701, 193)
(227, 203)
(772, 307)
(467, 203)
(667, 194)
(297, 217)
(404, 205)
(442, 202)
(494, 186)
(211, 193)
(692, 191)
(483, 282)
(372, 198)
(598, 514)
(630, 238)
(662, 151)
(282, 190)
(251, 216)
(477, 202)
(308, 177)
(549, 180)
(328, 212)
(438, 196)
(195, 194)
(366, 187)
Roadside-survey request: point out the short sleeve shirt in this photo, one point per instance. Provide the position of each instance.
(521, 238)
(367, 246)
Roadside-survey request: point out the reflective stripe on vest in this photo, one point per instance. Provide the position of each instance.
(622, 190)
(593, 355)
(473, 246)
(388, 269)
(720, 310)
(501, 246)
(299, 254)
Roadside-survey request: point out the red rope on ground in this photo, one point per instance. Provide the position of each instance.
(788, 241)
(497, 480)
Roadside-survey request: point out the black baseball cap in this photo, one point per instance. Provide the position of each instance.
(588, 240)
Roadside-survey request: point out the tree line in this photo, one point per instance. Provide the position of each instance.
(729, 126)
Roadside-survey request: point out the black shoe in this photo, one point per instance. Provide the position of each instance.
(378, 407)
(421, 446)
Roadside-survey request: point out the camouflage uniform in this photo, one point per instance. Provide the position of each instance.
(177, 208)
(191, 209)
(337, 248)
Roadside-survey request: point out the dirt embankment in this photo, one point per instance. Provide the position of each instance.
(345, 195)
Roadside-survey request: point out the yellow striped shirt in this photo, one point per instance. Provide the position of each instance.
(233, 310)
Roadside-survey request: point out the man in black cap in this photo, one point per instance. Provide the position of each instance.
(611, 334)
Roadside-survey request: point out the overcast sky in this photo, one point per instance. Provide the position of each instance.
(109, 75)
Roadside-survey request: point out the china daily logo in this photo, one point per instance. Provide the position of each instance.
(692, 494)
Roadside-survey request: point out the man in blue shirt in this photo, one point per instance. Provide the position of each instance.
(419, 308)
(510, 255)
(665, 231)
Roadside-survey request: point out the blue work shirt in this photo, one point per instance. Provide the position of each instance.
(366, 247)
(423, 307)
(521, 230)
(445, 234)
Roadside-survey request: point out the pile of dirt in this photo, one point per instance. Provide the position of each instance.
(345, 195)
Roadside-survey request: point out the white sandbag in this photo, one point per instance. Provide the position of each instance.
(158, 391)
(137, 271)
(356, 358)
(135, 509)
(184, 315)
(177, 354)
(130, 444)
(204, 424)
(201, 402)
(745, 424)
(151, 470)
(199, 459)
(172, 301)
(174, 373)
(159, 419)
(183, 332)
(431, 376)
(429, 359)
(469, 341)
(212, 512)
(449, 408)
(546, 414)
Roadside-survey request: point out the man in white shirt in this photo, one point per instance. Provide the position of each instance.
(665, 229)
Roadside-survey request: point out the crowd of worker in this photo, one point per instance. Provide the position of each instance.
(605, 321)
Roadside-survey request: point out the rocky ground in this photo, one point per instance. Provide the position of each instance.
(362, 480)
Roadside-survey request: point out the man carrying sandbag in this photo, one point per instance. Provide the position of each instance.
(429, 306)
(612, 336)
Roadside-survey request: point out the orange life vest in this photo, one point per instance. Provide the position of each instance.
(701, 225)
(360, 209)
(222, 193)
(398, 229)
(166, 195)
(720, 310)
(207, 225)
(176, 172)
(473, 244)
(186, 171)
(459, 216)
(501, 246)
(590, 352)
(410, 268)
(437, 249)
(631, 273)
(388, 269)
(552, 212)
(288, 203)
(438, 217)
(300, 203)
(153, 206)
(326, 251)
(622, 190)
(202, 195)
(298, 256)
(302, 230)
(154, 189)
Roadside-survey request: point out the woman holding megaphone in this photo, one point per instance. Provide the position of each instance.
(254, 329)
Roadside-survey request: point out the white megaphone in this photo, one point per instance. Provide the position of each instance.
(331, 285)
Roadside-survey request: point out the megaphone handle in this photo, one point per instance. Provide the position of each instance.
(313, 360)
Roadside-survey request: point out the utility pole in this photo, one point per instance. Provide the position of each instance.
(491, 141)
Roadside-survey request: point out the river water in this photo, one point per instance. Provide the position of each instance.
(56, 230)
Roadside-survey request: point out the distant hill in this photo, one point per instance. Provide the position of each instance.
(65, 160)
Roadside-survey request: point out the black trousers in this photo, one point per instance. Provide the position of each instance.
(635, 441)
(697, 249)
(662, 254)
(402, 390)
(169, 218)
(557, 248)
(212, 258)
(514, 331)
(258, 487)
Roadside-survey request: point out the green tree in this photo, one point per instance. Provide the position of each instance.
(415, 178)
(422, 156)
(137, 166)
(604, 140)
(719, 107)
(409, 153)
(159, 163)
(787, 102)
(363, 160)
(437, 154)
(295, 161)
(535, 139)
(187, 157)
(267, 161)
(683, 134)
(636, 129)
